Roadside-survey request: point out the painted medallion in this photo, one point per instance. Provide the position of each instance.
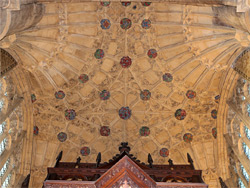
(62, 136)
(105, 131)
(167, 77)
(104, 95)
(126, 3)
(146, 24)
(214, 132)
(125, 62)
(144, 131)
(217, 98)
(191, 94)
(83, 78)
(180, 114)
(214, 114)
(70, 114)
(125, 113)
(85, 151)
(125, 23)
(99, 54)
(105, 24)
(36, 130)
(105, 3)
(188, 137)
(145, 95)
(164, 152)
(146, 4)
(33, 98)
(59, 94)
(152, 53)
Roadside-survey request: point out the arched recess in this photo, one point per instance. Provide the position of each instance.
(231, 120)
(226, 92)
(16, 117)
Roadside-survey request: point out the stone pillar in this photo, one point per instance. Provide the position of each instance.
(18, 15)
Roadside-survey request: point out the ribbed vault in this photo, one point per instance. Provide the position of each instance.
(190, 47)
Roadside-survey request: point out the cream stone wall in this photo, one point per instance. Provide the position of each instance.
(190, 45)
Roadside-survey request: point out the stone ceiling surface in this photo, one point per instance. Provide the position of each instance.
(148, 74)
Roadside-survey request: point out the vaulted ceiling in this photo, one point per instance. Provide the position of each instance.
(164, 94)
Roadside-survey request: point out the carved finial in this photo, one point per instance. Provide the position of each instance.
(58, 159)
(124, 147)
(98, 159)
(78, 162)
(222, 183)
(190, 160)
(170, 161)
(150, 160)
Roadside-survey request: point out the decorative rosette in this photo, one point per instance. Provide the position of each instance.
(105, 24)
(217, 98)
(188, 137)
(146, 4)
(105, 3)
(167, 77)
(125, 62)
(104, 95)
(105, 131)
(152, 53)
(125, 113)
(70, 114)
(125, 23)
(144, 131)
(145, 95)
(126, 3)
(214, 114)
(146, 24)
(180, 114)
(62, 136)
(59, 94)
(85, 151)
(191, 94)
(35, 130)
(164, 152)
(33, 98)
(99, 54)
(83, 78)
(214, 132)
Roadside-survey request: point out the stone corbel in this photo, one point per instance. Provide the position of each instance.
(18, 15)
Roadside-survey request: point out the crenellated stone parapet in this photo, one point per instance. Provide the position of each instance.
(18, 15)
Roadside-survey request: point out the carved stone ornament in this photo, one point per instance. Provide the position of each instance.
(242, 65)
